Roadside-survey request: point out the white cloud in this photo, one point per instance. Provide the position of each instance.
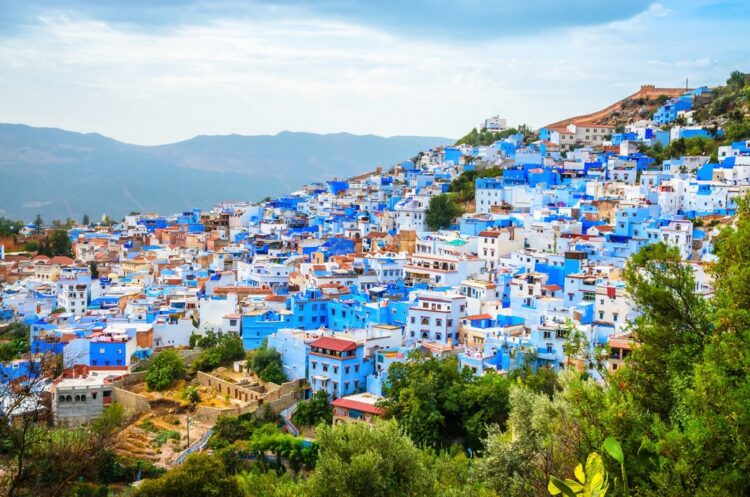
(252, 76)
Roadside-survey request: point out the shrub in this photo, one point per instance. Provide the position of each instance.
(166, 367)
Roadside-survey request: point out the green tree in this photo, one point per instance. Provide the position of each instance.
(271, 484)
(359, 460)
(266, 363)
(220, 349)
(85, 220)
(441, 211)
(736, 80)
(672, 329)
(703, 451)
(59, 244)
(313, 411)
(425, 396)
(201, 475)
(229, 429)
(38, 225)
(9, 227)
(165, 368)
(94, 270)
(485, 402)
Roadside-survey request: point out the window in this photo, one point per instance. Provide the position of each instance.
(356, 368)
(450, 323)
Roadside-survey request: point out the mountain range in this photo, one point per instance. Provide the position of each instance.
(59, 174)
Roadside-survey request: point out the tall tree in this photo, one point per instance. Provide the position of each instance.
(441, 211)
(59, 244)
(94, 270)
(38, 224)
(672, 329)
(705, 450)
(85, 220)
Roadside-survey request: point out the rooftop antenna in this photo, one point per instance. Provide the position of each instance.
(686, 84)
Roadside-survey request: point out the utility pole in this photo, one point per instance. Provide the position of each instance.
(187, 426)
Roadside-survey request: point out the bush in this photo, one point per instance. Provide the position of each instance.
(266, 363)
(200, 475)
(166, 367)
(163, 436)
(220, 350)
(313, 411)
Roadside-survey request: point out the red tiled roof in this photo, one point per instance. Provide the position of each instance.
(478, 316)
(61, 260)
(490, 234)
(336, 344)
(552, 288)
(275, 298)
(359, 406)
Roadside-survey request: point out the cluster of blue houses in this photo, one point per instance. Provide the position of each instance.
(345, 277)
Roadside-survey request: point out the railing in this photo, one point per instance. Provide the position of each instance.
(548, 355)
(196, 447)
(286, 416)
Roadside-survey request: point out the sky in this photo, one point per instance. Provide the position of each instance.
(161, 71)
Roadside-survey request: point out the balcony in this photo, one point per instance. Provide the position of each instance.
(544, 354)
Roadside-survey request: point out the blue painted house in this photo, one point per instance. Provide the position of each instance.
(337, 367)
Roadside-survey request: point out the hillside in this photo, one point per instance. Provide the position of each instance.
(637, 105)
(61, 174)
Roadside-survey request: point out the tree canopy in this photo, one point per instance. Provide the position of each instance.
(266, 363)
(443, 209)
(164, 369)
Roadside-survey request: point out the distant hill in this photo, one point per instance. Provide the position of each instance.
(61, 174)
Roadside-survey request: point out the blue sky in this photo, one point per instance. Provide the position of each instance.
(161, 71)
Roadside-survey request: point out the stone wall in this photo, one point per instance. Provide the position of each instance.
(130, 379)
(244, 393)
(278, 398)
(131, 401)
